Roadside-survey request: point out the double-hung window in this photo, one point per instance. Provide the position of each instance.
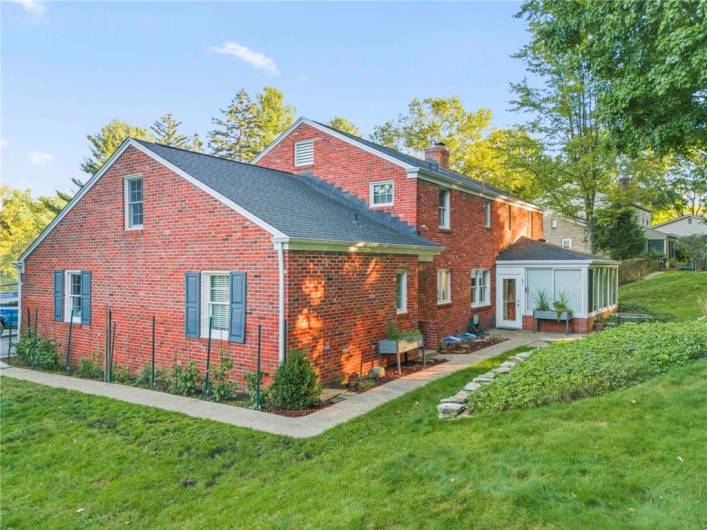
(215, 304)
(133, 203)
(401, 292)
(487, 213)
(480, 287)
(72, 297)
(381, 193)
(444, 286)
(444, 209)
(567, 243)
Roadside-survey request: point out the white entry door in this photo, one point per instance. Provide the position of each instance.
(508, 309)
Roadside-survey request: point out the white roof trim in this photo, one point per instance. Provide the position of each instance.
(559, 262)
(424, 253)
(413, 171)
(129, 142)
(678, 219)
(335, 134)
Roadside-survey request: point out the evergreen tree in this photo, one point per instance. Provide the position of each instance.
(107, 140)
(616, 232)
(166, 132)
(196, 143)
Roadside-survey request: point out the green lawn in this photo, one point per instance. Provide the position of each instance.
(670, 292)
(631, 459)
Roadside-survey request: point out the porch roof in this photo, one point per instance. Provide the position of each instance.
(526, 249)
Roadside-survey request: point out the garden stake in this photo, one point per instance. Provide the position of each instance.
(9, 342)
(208, 361)
(257, 372)
(112, 344)
(34, 340)
(29, 320)
(153, 351)
(107, 346)
(68, 344)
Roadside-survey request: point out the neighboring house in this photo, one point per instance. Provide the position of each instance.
(660, 243)
(687, 225)
(322, 263)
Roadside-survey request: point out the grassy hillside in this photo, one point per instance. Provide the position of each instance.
(630, 459)
(671, 292)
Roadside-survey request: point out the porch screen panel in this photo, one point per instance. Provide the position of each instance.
(539, 280)
(569, 283)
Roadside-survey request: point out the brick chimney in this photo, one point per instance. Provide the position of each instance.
(439, 154)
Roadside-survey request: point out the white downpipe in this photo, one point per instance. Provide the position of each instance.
(279, 247)
(20, 266)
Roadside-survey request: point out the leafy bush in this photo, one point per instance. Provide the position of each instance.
(220, 388)
(251, 379)
(40, 352)
(594, 365)
(145, 377)
(634, 269)
(186, 381)
(295, 384)
(122, 375)
(89, 369)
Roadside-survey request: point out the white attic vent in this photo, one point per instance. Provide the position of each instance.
(304, 153)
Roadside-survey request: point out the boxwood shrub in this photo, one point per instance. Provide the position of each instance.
(295, 384)
(597, 364)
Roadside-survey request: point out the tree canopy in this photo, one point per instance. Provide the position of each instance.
(343, 124)
(107, 140)
(166, 131)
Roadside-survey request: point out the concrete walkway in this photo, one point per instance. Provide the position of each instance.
(303, 427)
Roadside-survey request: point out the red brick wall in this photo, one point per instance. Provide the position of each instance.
(468, 245)
(577, 325)
(340, 304)
(349, 167)
(141, 273)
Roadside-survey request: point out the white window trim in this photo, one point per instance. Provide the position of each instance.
(448, 300)
(380, 204)
(488, 207)
(485, 275)
(294, 153)
(446, 223)
(569, 243)
(68, 296)
(126, 201)
(404, 309)
(216, 334)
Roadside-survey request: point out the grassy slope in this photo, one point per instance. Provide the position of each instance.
(671, 292)
(609, 462)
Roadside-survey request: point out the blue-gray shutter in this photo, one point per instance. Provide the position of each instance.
(85, 297)
(237, 313)
(59, 295)
(192, 289)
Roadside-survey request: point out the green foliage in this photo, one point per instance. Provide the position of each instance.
(185, 380)
(166, 132)
(677, 293)
(247, 127)
(694, 248)
(598, 364)
(145, 377)
(122, 375)
(561, 305)
(542, 300)
(634, 269)
(295, 384)
(634, 307)
(22, 218)
(252, 379)
(89, 369)
(107, 140)
(617, 232)
(41, 352)
(342, 124)
(392, 332)
(220, 388)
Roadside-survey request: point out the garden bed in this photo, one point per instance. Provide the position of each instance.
(471, 347)
(363, 384)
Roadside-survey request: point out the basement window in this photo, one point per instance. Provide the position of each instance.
(304, 153)
(133, 202)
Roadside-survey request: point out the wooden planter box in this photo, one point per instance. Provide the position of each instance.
(552, 315)
(396, 347)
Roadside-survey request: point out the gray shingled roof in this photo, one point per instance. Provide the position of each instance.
(429, 167)
(531, 249)
(300, 206)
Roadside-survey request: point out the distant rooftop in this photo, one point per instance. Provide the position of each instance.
(526, 249)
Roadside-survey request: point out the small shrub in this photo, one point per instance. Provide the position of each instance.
(121, 375)
(595, 365)
(252, 384)
(295, 384)
(88, 369)
(186, 381)
(220, 388)
(40, 352)
(145, 377)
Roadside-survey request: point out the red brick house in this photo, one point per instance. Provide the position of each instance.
(323, 242)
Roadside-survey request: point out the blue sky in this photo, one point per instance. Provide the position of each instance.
(68, 68)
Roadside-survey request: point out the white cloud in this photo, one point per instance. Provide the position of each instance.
(257, 60)
(40, 159)
(3, 142)
(33, 7)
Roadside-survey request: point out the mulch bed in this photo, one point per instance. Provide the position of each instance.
(471, 347)
(391, 374)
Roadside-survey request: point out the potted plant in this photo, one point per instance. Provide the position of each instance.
(397, 342)
(561, 307)
(599, 324)
(542, 306)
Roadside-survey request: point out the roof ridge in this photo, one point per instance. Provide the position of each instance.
(211, 156)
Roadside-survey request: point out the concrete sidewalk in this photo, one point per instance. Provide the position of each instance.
(303, 427)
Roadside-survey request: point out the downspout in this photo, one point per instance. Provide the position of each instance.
(20, 265)
(279, 247)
